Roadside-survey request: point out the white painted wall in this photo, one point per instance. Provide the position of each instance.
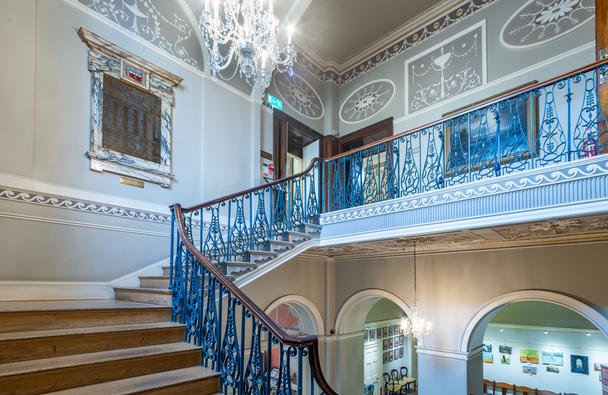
(566, 341)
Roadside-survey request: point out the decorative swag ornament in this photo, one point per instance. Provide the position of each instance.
(245, 31)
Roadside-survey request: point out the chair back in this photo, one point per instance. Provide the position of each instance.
(488, 384)
(504, 387)
(387, 378)
(526, 390)
(395, 375)
(403, 371)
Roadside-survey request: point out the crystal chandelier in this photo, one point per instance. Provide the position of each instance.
(245, 31)
(416, 325)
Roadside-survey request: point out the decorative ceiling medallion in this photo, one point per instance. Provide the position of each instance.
(367, 101)
(408, 40)
(299, 95)
(539, 21)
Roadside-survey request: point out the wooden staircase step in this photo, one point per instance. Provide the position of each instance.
(195, 379)
(159, 282)
(145, 295)
(22, 346)
(61, 314)
(53, 374)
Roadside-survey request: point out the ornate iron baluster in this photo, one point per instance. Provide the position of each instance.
(312, 204)
(230, 355)
(588, 135)
(214, 246)
(194, 302)
(239, 236)
(410, 176)
(336, 197)
(254, 374)
(552, 145)
(279, 227)
(297, 206)
(457, 157)
(432, 171)
(514, 150)
(260, 231)
(370, 184)
(209, 338)
(177, 296)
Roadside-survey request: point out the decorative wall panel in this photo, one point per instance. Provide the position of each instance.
(107, 59)
(539, 21)
(162, 23)
(367, 101)
(447, 69)
(299, 95)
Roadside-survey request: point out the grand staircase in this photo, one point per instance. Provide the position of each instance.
(155, 289)
(97, 347)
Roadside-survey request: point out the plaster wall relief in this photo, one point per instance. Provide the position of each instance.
(446, 70)
(367, 101)
(299, 95)
(160, 22)
(539, 21)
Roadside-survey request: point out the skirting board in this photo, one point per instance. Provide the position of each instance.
(54, 290)
(57, 290)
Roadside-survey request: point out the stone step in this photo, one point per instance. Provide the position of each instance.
(166, 270)
(280, 245)
(22, 346)
(158, 282)
(298, 237)
(312, 228)
(53, 374)
(195, 379)
(144, 295)
(258, 256)
(62, 314)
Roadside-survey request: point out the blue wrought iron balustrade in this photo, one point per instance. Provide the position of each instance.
(238, 340)
(556, 121)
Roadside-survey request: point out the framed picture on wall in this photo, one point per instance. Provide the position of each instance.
(390, 343)
(505, 349)
(391, 331)
(579, 364)
(401, 340)
(529, 369)
(552, 358)
(505, 359)
(385, 344)
(365, 335)
(384, 332)
(385, 357)
(372, 335)
(379, 333)
(401, 352)
(528, 356)
(390, 356)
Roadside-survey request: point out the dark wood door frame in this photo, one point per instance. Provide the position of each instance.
(281, 124)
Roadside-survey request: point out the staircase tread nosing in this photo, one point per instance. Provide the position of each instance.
(153, 277)
(71, 305)
(143, 383)
(144, 290)
(87, 330)
(46, 364)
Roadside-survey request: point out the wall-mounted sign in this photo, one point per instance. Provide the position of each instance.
(274, 102)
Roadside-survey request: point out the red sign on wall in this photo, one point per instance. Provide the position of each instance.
(605, 379)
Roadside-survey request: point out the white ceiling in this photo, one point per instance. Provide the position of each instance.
(338, 29)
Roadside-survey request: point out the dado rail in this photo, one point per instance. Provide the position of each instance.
(547, 124)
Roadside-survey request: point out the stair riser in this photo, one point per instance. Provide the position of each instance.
(279, 248)
(76, 376)
(56, 346)
(143, 297)
(162, 283)
(42, 320)
(206, 386)
(298, 239)
(166, 271)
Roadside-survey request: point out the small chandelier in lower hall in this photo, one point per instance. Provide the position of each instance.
(416, 325)
(245, 32)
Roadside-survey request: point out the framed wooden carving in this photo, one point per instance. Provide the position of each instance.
(132, 104)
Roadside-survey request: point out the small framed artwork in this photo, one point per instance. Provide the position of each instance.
(391, 330)
(401, 340)
(385, 344)
(379, 333)
(505, 349)
(487, 347)
(385, 357)
(505, 359)
(579, 364)
(134, 74)
(384, 332)
(552, 369)
(598, 366)
(401, 352)
(365, 335)
(390, 342)
(390, 356)
(487, 357)
(372, 335)
(529, 369)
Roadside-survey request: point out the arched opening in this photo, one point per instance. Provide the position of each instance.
(536, 340)
(297, 316)
(372, 345)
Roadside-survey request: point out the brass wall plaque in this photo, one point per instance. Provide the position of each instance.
(132, 182)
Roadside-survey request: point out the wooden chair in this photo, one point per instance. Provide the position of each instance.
(503, 387)
(402, 369)
(395, 375)
(488, 384)
(526, 390)
(387, 382)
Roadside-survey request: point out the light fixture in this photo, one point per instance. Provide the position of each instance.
(502, 330)
(416, 325)
(245, 32)
(546, 332)
(587, 334)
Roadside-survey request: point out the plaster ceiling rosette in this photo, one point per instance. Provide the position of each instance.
(299, 95)
(367, 101)
(540, 21)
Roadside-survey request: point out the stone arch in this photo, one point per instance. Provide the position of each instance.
(476, 326)
(352, 314)
(308, 310)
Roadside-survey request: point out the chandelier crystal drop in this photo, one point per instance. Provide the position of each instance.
(416, 325)
(245, 32)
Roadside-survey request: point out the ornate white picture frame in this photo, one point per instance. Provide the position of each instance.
(106, 58)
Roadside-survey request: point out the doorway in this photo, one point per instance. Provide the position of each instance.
(295, 145)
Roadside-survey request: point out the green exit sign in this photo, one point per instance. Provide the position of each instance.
(274, 102)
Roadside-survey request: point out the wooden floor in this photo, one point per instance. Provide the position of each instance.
(97, 347)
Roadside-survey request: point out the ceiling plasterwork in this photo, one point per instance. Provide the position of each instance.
(556, 231)
(406, 37)
(299, 95)
(539, 21)
(367, 101)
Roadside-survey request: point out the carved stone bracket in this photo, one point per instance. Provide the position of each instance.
(106, 58)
